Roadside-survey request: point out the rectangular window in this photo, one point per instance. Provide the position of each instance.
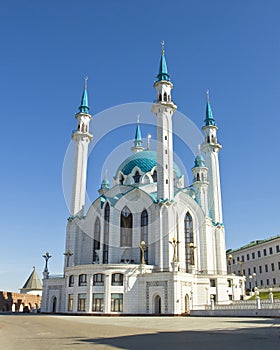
(98, 302)
(82, 280)
(277, 249)
(117, 279)
(249, 271)
(267, 282)
(242, 258)
(272, 267)
(248, 256)
(238, 258)
(233, 261)
(278, 265)
(259, 253)
(229, 282)
(98, 279)
(254, 269)
(274, 281)
(212, 283)
(82, 302)
(261, 282)
(264, 252)
(116, 302)
(260, 269)
(70, 302)
(270, 250)
(266, 268)
(253, 255)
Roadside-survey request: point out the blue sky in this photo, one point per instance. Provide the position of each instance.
(47, 47)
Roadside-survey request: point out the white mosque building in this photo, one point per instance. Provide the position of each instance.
(148, 244)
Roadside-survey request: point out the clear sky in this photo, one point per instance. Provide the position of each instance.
(231, 48)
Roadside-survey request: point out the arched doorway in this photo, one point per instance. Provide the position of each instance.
(187, 304)
(157, 304)
(54, 304)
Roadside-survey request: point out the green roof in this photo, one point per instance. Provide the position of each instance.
(253, 243)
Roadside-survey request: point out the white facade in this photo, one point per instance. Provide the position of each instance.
(259, 261)
(180, 229)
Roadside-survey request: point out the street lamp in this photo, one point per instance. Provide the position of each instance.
(230, 263)
(142, 247)
(254, 280)
(250, 278)
(47, 256)
(174, 244)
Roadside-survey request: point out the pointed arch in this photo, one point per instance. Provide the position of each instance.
(188, 230)
(106, 233)
(165, 96)
(96, 240)
(126, 227)
(154, 176)
(144, 233)
(137, 177)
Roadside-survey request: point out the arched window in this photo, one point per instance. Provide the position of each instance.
(106, 233)
(160, 97)
(71, 281)
(82, 280)
(117, 279)
(154, 176)
(136, 177)
(98, 279)
(121, 179)
(197, 177)
(144, 233)
(189, 251)
(165, 96)
(96, 241)
(126, 227)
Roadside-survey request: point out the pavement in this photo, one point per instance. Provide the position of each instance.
(28, 332)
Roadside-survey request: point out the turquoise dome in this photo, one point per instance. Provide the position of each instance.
(145, 161)
(199, 161)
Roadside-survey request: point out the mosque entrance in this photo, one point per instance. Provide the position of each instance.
(157, 304)
(54, 304)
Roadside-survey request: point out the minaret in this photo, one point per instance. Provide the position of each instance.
(211, 149)
(200, 182)
(138, 139)
(82, 138)
(164, 108)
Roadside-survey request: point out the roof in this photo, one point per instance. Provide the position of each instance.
(145, 161)
(253, 243)
(33, 282)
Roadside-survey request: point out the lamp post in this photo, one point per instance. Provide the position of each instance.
(174, 244)
(230, 263)
(47, 256)
(254, 280)
(251, 287)
(142, 247)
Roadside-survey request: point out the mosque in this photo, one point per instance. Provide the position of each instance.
(147, 244)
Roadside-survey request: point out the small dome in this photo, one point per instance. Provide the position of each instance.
(145, 161)
(105, 183)
(199, 161)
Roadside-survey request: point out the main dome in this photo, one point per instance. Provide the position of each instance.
(145, 161)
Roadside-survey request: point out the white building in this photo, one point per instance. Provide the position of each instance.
(259, 261)
(182, 260)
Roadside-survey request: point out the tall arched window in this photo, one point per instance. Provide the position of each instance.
(96, 240)
(154, 176)
(144, 233)
(165, 96)
(126, 227)
(106, 233)
(136, 177)
(188, 227)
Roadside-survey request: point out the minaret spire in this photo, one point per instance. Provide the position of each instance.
(84, 108)
(209, 120)
(138, 138)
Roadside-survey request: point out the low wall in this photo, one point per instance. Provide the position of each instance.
(236, 313)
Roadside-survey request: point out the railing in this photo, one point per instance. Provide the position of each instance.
(56, 276)
(243, 305)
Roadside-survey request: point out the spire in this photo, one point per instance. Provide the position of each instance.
(84, 108)
(209, 120)
(33, 282)
(163, 73)
(138, 138)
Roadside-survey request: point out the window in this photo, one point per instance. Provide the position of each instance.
(106, 234)
(189, 252)
(70, 302)
(267, 282)
(242, 258)
(166, 181)
(82, 302)
(274, 281)
(260, 269)
(98, 302)
(71, 281)
(254, 269)
(264, 252)
(229, 283)
(278, 265)
(253, 255)
(166, 151)
(272, 267)
(259, 254)
(248, 256)
(144, 233)
(249, 271)
(270, 250)
(266, 268)
(277, 249)
(165, 137)
(98, 279)
(137, 177)
(233, 261)
(261, 282)
(96, 241)
(117, 279)
(212, 283)
(116, 302)
(126, 227)
(238, 258)
(82, 280)
(154, 176)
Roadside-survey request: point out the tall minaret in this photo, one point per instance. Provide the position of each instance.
(82, 138)
(164, 108)
(211, 149)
